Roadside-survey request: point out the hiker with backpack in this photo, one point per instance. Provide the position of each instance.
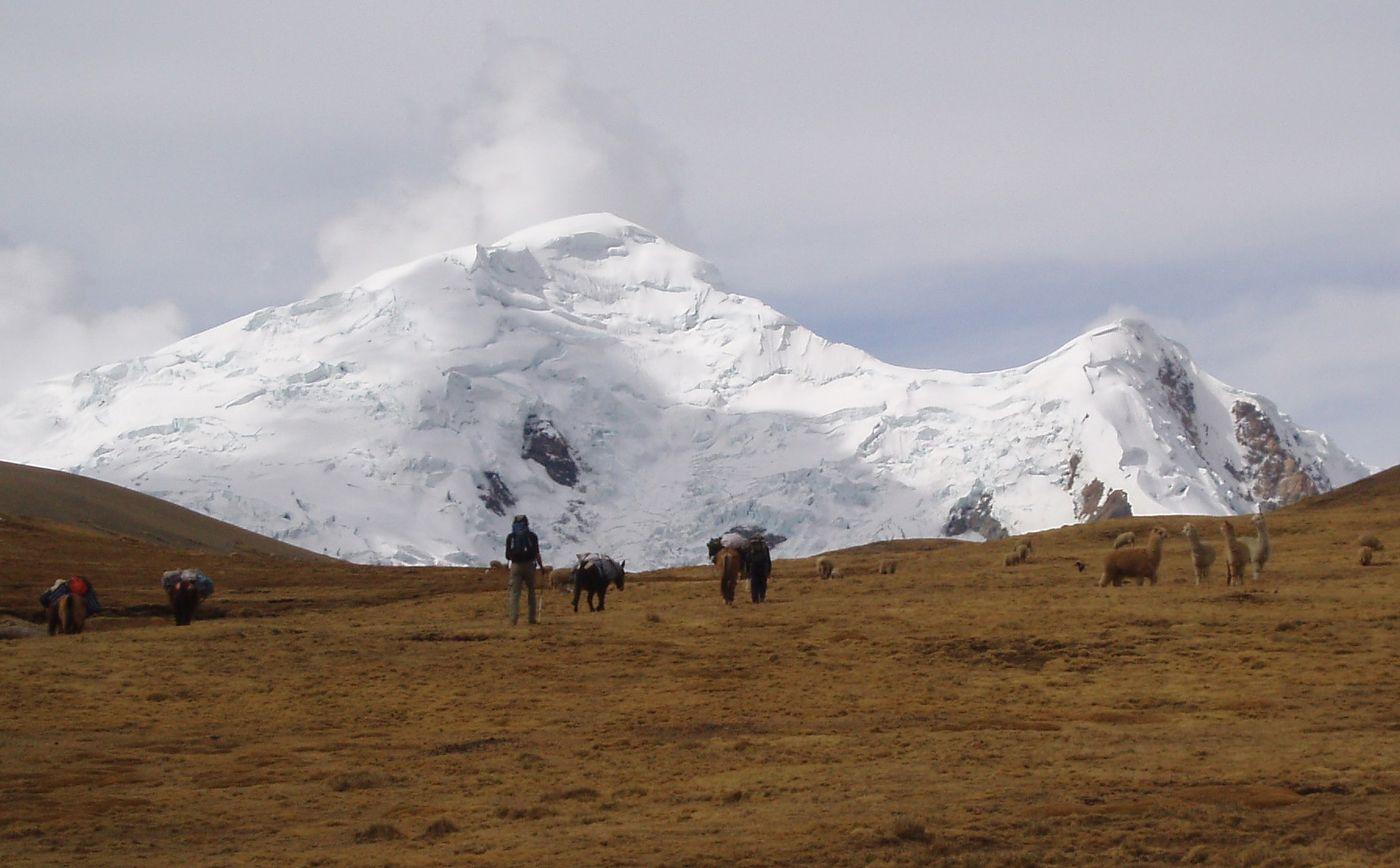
(523, 552)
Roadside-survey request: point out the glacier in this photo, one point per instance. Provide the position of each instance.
(603, 381)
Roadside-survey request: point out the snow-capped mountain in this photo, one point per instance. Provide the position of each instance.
(602, 380)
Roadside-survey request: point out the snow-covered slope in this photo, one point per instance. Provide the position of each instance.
(600, 379)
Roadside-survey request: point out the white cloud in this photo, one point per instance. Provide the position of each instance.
(42, 334)
(538, 144)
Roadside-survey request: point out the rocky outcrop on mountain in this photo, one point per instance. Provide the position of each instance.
(544, 445)
(495, 494)
(1094, 505)
(1278, 477)
(1181, 397)
(973, 514)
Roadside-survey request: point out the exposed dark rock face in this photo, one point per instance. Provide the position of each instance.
(1181, 397)
(495, 494)
(750, 531)
(1094, 504)
(1115, 505)
(1072, 472)
(974, 513)
(544, 445)
(1279, 478)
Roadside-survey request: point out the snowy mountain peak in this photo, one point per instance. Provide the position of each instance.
(588, 235)
(595, 376)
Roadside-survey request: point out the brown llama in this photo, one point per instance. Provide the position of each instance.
(1236, 555)
(888, 567)
(1138, 563)
(1202, 555)
(825, 568)
(1366, 556)
(1370, 541)
(67, 614)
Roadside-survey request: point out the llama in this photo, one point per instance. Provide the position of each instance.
(1202, 555)
(1012, 558)
(1370, 541)
(1125, 539)
(1366, 556)
(1259, 548)
(1138, 563)
(888, 567)
(1236, 555)
(826, 569)
(1024, 551)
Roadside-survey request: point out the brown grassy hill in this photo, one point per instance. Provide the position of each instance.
(36, 492)
(956, 712)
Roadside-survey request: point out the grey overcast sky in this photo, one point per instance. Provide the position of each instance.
(945, 185)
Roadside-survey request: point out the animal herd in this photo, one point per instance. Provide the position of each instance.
(750, 560)
(1126, 560)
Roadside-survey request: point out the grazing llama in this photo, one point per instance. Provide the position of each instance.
(1134, 563)
(825, 568)
(1125, 539)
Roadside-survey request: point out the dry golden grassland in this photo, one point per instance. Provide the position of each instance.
(958, 711)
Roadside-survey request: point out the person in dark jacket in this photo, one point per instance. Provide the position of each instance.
(523, 552)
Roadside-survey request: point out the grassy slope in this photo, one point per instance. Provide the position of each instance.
(958, 710)
(51, 495)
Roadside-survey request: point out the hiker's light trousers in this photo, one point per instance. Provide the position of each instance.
(522, 573)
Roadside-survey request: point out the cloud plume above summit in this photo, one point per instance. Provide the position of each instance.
(536, 144)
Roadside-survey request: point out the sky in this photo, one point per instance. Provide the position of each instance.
(953, 185)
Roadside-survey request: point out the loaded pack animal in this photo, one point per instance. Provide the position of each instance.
(184, 599)
(728, 567)
(1236, 555)
(1134, 563)
(67, 614)
(186, 589)
(1202, 555)
(594, 575)
(760, 568)
(66, 605)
